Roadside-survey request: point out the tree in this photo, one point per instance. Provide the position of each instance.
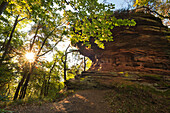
(8, 44)
(41, 13)
(160, 8)
(92, 19)
(65, 63)
(3, 6)
(41, 35)
(6, 47)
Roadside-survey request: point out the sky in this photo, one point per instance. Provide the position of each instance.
(119, 4)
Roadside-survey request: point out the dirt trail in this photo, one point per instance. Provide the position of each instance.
(83, 101)
(94, 101)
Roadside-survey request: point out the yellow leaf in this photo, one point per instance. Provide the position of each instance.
(135, 3)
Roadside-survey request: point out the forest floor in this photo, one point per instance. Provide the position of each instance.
(82, 101)
(126, 97)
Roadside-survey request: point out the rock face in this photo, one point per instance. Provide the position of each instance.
(142, 48)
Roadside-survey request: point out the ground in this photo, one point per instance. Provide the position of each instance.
(145, 94)
(83, 101)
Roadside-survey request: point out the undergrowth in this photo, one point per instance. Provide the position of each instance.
(136, 98)
(5, 105)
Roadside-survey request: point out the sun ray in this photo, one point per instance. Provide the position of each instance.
(30, 56)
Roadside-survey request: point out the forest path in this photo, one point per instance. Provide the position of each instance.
(82, 101)
(96, 100)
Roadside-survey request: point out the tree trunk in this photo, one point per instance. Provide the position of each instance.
(32, 44)
(49, 77)
(9, 41)
(24, 88)
(65, 65)
(19, 86)
(65, 69)
(21, 89)
(3, 6)
(48, 84)
(43, 86)
(84, 63)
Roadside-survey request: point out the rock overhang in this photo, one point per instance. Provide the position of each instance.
(135, 48)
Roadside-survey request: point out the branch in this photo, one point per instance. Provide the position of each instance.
(31, 45)
(53, 64)
(45, 41)
(68, 53)
(65, 53)
(50, 49)
(18, 53)
(67, 47)
(72, 5)
(166, 17)
(47, 38)
(29, 12)
(22, 19)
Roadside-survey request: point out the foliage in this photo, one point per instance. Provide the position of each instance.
(4, 99)
(93, 19)
(5, 111)
(160, 8)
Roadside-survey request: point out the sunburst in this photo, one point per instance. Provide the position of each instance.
(30, 56)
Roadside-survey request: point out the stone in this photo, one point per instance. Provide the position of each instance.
(141, 48)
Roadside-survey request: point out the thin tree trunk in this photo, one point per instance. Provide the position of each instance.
(24, 88)
(84, 63)
(9, 41)
(65, 64)
(21, 82)
(3, 6)
(20, 89)
(49, 77)
(43, 86)
(48, 84)
(65, 71)
(65, 67)
(36, 32)
(19, 86)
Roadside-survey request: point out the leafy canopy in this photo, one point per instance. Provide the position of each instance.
(88, 18)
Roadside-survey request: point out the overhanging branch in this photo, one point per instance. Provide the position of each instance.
(147, 8)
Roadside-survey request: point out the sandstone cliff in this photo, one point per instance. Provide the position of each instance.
(143, 48)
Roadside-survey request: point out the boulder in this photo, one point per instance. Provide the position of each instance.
(142, 48)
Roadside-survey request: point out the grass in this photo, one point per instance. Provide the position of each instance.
(136, 98)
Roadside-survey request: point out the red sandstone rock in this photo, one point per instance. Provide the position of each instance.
(143, 48)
